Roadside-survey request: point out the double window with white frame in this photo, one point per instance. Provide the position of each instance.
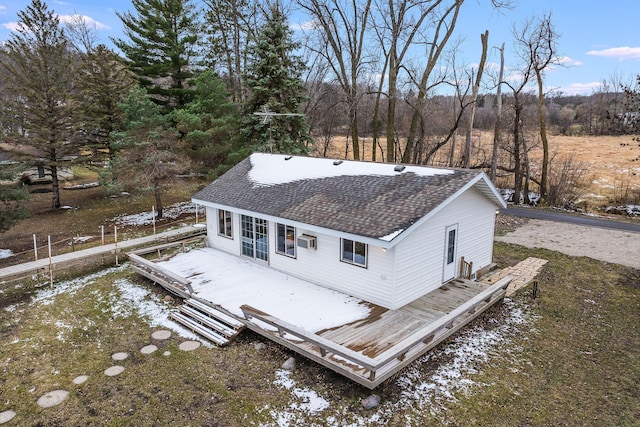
(354, 252)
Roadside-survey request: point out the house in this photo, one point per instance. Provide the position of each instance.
(387, 234)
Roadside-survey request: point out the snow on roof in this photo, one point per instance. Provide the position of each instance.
(273, 169)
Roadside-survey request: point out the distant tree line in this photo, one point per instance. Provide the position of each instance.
(197, 86)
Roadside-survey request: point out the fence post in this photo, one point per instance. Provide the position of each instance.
(35, 246)
(115, 238)
(50, 263)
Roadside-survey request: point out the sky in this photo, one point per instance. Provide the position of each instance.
(599, 41)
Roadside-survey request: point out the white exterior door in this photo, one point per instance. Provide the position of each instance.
(255, 238)
(450, 243)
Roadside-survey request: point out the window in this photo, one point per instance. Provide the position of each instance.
(286, 236)
(224, 224)
(354, 252)
(255, 239)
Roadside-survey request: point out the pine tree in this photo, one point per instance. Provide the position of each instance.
(40, 71)
(274, 79)
(148, 149)
(103, 82)
(210, 126)
(162, 45)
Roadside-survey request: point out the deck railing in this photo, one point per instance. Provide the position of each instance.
(411, 347)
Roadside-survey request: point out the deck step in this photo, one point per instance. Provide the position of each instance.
(229, 320)
(198, 328)
(207, 321)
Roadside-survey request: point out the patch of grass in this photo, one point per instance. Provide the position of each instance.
(576, 364)
(579, 364)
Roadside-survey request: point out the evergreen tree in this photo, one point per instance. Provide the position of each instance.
(103, 82)
(274, 80)
(210, 126)
(10, 197)
(162, 44)
(147, 147)
(39, 68)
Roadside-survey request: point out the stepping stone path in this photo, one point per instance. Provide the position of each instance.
(148, 349)
(6, 416)
(189, 345)
(119, 356)
(80, 379)
(52, 398)
(114, 370)
(56, 397)
(161, 335)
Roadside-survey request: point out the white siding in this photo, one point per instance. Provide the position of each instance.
(223, 243)
(394, 277)
(420, 256)
(322, 266)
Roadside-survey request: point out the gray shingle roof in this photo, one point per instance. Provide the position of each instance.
(370, 205)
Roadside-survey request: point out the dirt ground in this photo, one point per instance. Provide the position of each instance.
(612, 246)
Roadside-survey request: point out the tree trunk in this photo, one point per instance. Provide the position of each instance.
(391, 111)
(156, 191)
(496, 129)
(474, 98)
(517, 171)
(55, 187)
(543, 137)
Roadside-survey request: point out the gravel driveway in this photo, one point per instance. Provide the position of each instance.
(619, 247)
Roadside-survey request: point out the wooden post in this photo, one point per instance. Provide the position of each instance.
(50, 263)
(35, 246)
(153, 218)
(102, 235)
(115, 240)
(196, 213)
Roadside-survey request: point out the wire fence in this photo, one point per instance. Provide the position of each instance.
(42, 246)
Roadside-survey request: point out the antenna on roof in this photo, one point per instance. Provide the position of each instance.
(266, 115)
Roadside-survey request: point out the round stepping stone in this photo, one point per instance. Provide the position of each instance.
(6, 416)
(161, 335)
(52, 398)
(148, 349)
(119, 356)
(189, 345)
(81, 379)
(114, 370)
(166, 353)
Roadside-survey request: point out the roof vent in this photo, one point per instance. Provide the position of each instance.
(399, 168)
(337, 162)
(288, 158)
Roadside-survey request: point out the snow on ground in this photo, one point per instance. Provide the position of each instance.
(132, 299)
(230, 281)
(5, 253)
(422, 387)
(169, 212)
(272, 169)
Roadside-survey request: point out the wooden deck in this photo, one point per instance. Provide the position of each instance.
(374, 349)
(370, 350)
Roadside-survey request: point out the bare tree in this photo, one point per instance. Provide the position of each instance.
(537, 41)
(484, 38)
(342, 44)
(498, 122)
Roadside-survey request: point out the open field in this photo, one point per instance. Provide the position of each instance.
(612, 163)
(568, 357)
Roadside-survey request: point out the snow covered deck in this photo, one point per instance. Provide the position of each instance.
(359, 340)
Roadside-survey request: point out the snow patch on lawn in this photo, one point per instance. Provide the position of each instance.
(421, 387)
(5, 253)
(144, 303)
(305, 401)
(169, 212)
